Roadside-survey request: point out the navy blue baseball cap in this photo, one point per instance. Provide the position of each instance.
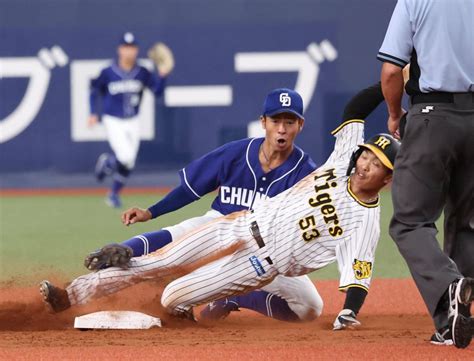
(128, 39)
(283, 100)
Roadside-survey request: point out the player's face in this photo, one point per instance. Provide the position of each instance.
(128, 53)
(281, 130)
(370, 173)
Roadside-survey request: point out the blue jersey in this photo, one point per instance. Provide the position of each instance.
(122, 91)
(235, 169)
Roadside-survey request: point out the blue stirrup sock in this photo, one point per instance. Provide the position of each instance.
(148, 242)
(117, 186)
(120, 177)
(267, 304)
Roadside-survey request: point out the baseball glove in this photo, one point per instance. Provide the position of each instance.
(163, 58)
(111, 255)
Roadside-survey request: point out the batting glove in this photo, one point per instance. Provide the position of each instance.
(345, 319)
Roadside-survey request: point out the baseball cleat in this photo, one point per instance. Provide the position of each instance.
(113, 200)
(218, 310)
(55, 298)
(460, 292)
(102, 168)
(184, 313)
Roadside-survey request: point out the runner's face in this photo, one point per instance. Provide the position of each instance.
(370, 172)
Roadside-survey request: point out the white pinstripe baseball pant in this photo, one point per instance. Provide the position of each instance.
(229, 275)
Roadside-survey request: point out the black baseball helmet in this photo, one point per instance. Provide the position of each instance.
(384, 146)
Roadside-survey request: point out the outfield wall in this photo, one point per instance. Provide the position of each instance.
(229, 54)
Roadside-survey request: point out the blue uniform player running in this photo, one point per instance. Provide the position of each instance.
(244, 172)
(120, 88)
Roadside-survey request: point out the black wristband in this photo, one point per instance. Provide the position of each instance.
(355, 297)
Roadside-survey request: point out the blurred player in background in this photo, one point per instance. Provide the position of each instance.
(245, 171)
(120, 88)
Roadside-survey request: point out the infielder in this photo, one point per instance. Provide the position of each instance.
(244, 171)
(120, 87)
(332, 214)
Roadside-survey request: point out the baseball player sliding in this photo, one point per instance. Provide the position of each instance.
(245, 171)
(120, 87)
(332, 214)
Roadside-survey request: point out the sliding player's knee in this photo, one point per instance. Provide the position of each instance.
(308, 309)
(173, 298)
(168, 298)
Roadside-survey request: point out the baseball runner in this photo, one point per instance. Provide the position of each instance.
(120, 87)
(332, 214)
(245, 171)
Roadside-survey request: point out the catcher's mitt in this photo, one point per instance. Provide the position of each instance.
(111, 255)
(163, 58)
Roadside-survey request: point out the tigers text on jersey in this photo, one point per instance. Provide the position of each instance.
(320, 220)
(122, 91)
(235, 169)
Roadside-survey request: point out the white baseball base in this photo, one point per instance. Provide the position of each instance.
(116, 320)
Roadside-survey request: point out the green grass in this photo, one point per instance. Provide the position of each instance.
(56, 232)
(53, 233)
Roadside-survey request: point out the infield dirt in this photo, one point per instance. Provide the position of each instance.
(395, 326)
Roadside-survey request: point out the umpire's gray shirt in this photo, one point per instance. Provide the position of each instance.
(437, 38)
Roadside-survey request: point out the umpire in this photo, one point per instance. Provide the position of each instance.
(434, 169)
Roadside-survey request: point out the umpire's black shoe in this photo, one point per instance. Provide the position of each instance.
(460, 292)
(55, 298)
(442, 337)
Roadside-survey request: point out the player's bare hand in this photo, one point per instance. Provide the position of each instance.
(92, 120)
(393, 125)
(135, 215)
(345, 319)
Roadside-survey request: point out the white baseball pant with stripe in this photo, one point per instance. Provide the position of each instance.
(233, 274)
(299, 292)
(229, 275)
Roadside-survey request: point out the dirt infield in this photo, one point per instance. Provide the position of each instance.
(394, 326)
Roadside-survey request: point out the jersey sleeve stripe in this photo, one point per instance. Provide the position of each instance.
(391, 59)
(345, 288)
(335, 131)
(188, 185)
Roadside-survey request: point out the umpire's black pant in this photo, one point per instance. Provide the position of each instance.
(433, 169)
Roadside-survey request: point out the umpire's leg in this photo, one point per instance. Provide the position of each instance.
(420, 183)
(459, 213)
